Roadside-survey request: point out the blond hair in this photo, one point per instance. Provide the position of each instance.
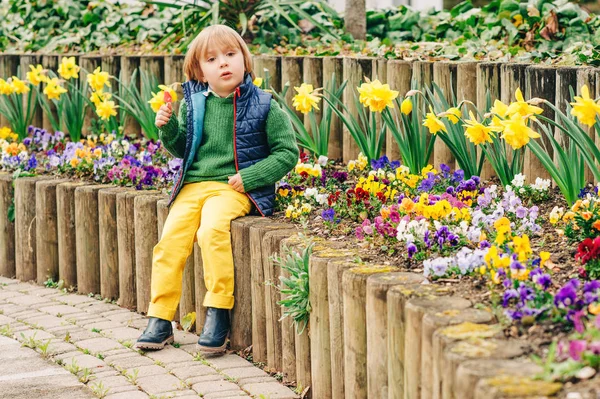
(218, 35)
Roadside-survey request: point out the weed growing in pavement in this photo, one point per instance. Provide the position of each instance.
(73, 368)
(131, 377)
(127, 344)
(96, 330)
(6, 331)
(86, 375)
(99, 390)
(100, 356)
(199, 358)
(43, 347)
(176, 344)
(29, 342)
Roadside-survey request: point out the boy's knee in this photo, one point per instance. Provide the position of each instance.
(209, 234)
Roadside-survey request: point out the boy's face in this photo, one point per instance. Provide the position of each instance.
(223, 69)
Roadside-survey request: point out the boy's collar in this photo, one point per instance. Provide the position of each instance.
(209, 90)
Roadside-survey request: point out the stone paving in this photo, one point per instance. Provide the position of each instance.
(59, 345)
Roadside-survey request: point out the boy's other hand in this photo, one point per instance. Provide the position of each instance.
(236, 183)
(163, 115)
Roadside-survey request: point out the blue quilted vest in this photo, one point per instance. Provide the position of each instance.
(251, 107)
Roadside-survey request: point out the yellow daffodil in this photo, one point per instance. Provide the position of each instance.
(98, 79)
(36, 75)
(306, 99)
(106, 109)
(499, 108)
(516, 132)
(585, 108)
(406, 106)
(169, 90)
(258, 82)
(453, 114)
(6, 88)
(522, 108)
(433, 123)
(476, 132)
(53, 89)
(68, 68)
(19, 86)
(157, 101)
(377, 96)
(99, 96)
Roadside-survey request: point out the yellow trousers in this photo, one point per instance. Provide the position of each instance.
(205, 210)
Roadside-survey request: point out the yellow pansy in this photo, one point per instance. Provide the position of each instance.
(585, 108)
(306, 99)
(544, 257)
(68, 68)
(98, 79)
(53, 89)
(522, 247)
(377, 96)
(433, 123)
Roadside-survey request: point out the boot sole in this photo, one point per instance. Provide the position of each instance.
(210, 350)
(150, 345)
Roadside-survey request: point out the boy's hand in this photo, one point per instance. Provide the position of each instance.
(163, 115)
(236, 183)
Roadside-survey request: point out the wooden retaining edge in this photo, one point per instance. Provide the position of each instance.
(415, 309)
(474, 348)
(67, 243)
(444, 75)
(241, 314)
(377, 327)
(126, 245)
(587, 76)
(379, 72)
(292, 75)
(259, 322)
(25, 228)
(313, 75)
(513, 77)
(354, 285)
(470, 372)
(321, 366)
(50, 61)
(109, 248)
(46, 240)
(355, 71)
(128, 65)
(433, 321)
(270, 248)
(488, 77)
(399, 75)
(87, 238)
(24, 61)
(331, 66)
(187, 302)
(146, 238)
(199, 289)
(272, 64)
(7, 227)
(503, 387)
(566, 80)
(443, 337)
(397, 298)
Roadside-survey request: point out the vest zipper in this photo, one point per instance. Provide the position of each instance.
(237, 168)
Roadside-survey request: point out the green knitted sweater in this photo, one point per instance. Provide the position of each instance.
(214, 159)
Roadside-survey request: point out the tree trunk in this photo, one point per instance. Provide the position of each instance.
(355, 18)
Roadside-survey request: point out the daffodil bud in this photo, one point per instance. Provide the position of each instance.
(406, 106)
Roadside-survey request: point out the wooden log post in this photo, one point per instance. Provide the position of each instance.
(379, 69)
(112, 65)
(187, 302)
(470, 372)
(49, 61)
(292, 76)
(313, 74)
(200, 288)
(46, 240)
(87, 235)
(397, 298)
(507, 386)
(320, 321)
(541, 82)
(7, 226)
(174, 74)
(269, 65)
(25, 228)
(354, 283)
(566, 81)
(431, 322)
(153, 66)
(475, 348)
(128, 66)
(10, 66)
(355, 72)
(445, 77)
(422, 74)
(415, 309)
(443, 337)
(127, 249)
(109, 248)
(399, 75)
(587, 76)
(377, 328)
(146, 237)
(88, 64)
(241, 314)
(488, 83)
(67, 243)
(333, 68)
(513, 77)
(259, 317)
(25, 61)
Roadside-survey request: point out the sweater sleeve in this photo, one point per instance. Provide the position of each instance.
(173, 134)
(284, 152)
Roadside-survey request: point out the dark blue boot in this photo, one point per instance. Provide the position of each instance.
(213, 339)
(158, 333)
